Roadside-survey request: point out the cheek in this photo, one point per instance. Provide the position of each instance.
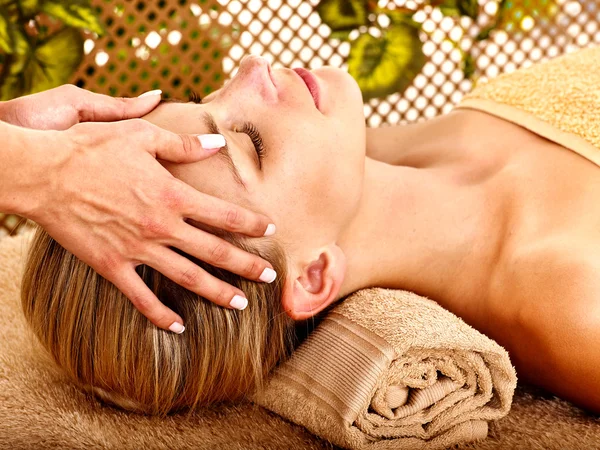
(321, 180)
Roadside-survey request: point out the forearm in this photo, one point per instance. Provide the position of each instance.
(24, 170)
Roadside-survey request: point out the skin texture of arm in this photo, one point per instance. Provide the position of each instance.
(21, 173)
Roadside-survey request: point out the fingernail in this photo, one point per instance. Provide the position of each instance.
(270, 230)
(268, 275)
(238, 302)
(176, 327)
(209, 141)
(149, 93)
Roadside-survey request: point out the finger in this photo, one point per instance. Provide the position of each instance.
(220, 253)
(188, 275)
(181, 148)
(130, 284)
(103, 108)
(227, 216)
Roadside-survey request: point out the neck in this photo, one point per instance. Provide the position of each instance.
(417, 230)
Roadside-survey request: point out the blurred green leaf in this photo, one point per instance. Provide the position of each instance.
(343, 14)
(485, 33)
(21, 50)
(401, 16)
(382, 66)
(74, 13)
(458, 7)
(50, 64)
(29, 8)
(14, 65)
(468, 66)
(342, 35)
(6, 40)
(511, 13)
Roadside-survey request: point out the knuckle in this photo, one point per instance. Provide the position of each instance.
(224, 297)
(172, 197)
(253, 269)
(140, 126)
(121, 106)
(219, 253)
(68, 89)
(163, 320)
(260, 226)
(187, 144)
(234, 219)
(136, 249)
(141, 302)
(189, 278)
(107, 265)
(152, 228)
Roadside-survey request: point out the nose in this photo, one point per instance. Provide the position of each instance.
(255, 73)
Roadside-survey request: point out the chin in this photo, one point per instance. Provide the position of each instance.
(341, 91)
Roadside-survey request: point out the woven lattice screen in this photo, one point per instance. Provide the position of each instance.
(181, 46)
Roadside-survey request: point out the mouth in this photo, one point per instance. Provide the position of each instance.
(311, 83)
(271, 75)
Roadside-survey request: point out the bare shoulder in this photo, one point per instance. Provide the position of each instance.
(536, 284)
(552, 336)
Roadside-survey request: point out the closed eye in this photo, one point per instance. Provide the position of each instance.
(257, 140)
(247, 128)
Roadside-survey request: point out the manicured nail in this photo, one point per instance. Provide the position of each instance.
(149, 93)
(176, 327)
(270, 230)
(209, 141)
(238, 302)
(268, 275)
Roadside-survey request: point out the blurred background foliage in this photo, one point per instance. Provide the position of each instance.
(388, 60)
(41, 43)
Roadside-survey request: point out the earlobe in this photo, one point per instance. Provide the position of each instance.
(316, 285)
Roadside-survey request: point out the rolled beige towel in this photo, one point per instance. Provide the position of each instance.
(389, 369)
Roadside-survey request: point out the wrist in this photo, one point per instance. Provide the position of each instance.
(27, 173)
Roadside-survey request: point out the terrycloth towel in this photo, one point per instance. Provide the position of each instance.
(558, 100)
(41, 409)
(388, 369)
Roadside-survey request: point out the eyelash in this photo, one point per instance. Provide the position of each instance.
(195, 97)
(247, 128)
(257, 141)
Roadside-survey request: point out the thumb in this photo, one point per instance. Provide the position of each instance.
(103, 108)
(178, 148)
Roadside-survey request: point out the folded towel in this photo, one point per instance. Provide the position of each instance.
(389, 369)
(557, 100)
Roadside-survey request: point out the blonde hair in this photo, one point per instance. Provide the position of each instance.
(105, 345)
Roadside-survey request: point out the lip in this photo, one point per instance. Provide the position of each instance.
(271, 75)
(311, 83)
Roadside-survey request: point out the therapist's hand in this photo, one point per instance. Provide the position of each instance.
(106, 199)
(62, 107)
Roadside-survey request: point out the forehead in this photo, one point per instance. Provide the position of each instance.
(179, 117)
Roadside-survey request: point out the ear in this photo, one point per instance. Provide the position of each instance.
(312, 288)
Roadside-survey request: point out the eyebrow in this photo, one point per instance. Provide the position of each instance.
(224, 153)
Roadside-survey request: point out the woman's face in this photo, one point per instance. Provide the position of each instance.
(308, 179)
